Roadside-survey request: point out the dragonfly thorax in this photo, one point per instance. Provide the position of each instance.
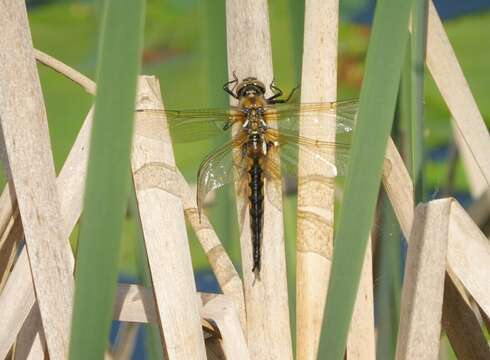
(254, 121)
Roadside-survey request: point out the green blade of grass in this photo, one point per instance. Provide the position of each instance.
(402, 129)
(297, 19)
(418, 41)
(107, 184)
(388, 282)
(214, 52)
(376, 110)
(388, 268)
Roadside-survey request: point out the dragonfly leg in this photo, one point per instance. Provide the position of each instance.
(275, 90)
(292, 93)
(277, 93)
(226, 86)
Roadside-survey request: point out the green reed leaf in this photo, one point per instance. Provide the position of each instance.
(107, 184)
(418, 42)
(376, 111)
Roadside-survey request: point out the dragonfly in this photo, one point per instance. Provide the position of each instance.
(259, 153)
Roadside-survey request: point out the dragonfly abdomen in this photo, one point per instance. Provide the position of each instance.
(256, 208)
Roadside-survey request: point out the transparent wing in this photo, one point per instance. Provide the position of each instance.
(199, 124)
(221, 167)
(342, 113)
(283, 156)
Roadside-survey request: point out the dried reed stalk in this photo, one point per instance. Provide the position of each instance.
(136, 304)
(26, 136)
(479, 210)
(8, 202)
(477, 183)
(423, 285)
(10, 238)
(162, 219)
(12, 311)
(314, 243)
(70, 183)
(399, 188)
(472, 134)
(10, 227)
(266, 299)
(87, 84)
(450, 80)
(462, 325)
(222, 312)
(226, 274)
(469, 256)
(31, 343)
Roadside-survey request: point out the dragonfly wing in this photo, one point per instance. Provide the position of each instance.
(330, 156)
(199, 124)
(283, 156)
(343, 114)
(221, 167)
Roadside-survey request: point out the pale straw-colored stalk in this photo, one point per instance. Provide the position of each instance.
(315, 224)
(266, 298)
(28, 149)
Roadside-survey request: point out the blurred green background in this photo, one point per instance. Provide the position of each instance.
(185, 47)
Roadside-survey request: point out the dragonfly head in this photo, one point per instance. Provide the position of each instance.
(250, 87)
